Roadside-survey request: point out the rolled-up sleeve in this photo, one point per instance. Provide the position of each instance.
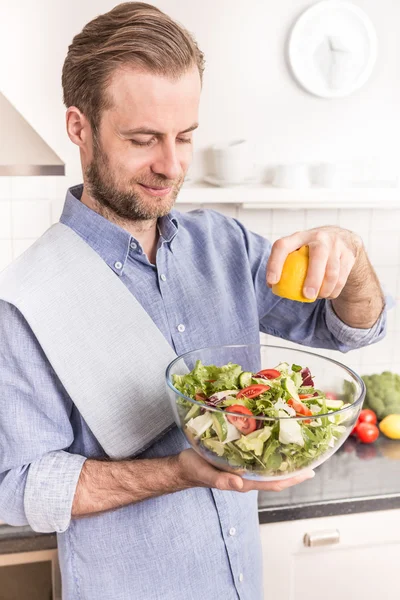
(353, 337)
(313, 324)
(38, 476)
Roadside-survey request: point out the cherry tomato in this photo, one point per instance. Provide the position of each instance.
(243, 424)
(300, 408)
(269, 373)
(367, 433)
(252, 391)
(367, 416)
(303, 396)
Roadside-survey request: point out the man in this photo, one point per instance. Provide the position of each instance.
(166, 525)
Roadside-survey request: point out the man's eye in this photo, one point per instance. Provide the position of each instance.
(148, 143)
(184, 140)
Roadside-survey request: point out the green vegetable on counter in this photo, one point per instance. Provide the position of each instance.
(383, 393)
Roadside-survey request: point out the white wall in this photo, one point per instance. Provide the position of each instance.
(247, 92)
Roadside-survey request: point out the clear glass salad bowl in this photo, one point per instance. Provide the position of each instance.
(263, 412)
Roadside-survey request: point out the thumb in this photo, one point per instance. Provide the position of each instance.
(235, 483)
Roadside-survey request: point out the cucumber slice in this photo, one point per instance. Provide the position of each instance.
(331, 404)
(289, 386)
(220, 426)
(245, 379)
(193, 412)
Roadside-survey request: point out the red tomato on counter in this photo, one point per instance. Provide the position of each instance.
(367, 416)
(367, 432)
(370, 432)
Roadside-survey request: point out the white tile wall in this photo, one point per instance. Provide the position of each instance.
(29, 205)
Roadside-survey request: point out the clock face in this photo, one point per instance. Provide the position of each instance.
(332, 48)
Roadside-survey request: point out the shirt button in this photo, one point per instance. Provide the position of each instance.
(241, 577)
(163, 277)
(181, 328)
(118, 265)
(133, 245)
(232, 531)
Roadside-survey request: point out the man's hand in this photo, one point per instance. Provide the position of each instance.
(333, 254)
(105, 485)
(196, 472)
(339, 268)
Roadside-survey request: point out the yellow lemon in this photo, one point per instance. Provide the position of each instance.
(293, 276)
(390, 426)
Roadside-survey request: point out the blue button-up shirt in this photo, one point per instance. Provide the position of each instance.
(207, 288)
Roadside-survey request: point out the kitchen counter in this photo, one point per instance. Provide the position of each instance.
(23, 539)
(358, 478)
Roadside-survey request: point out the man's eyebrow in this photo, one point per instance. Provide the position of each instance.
(147, 131)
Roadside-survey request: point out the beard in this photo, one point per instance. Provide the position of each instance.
(105, 188)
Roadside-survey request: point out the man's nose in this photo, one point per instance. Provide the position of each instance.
(167, 163)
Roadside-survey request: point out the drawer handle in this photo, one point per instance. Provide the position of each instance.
(322, 538)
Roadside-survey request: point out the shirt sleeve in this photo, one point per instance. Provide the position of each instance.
(38, 476)
(313, 324)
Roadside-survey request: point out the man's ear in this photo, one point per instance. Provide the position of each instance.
(78, 127)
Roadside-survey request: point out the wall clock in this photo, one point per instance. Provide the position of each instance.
(332, 48)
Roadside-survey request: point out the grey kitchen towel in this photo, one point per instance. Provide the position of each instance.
(105, 348)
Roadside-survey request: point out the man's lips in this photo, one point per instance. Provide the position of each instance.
(156, 191)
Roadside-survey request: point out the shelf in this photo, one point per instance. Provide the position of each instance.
(258, 197)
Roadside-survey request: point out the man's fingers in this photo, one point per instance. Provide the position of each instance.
(279, 486)
(346, 266)
(319, 251)
(331, 276)
(276, 486)
(279, 251)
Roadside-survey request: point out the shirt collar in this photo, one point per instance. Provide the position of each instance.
(109, 240)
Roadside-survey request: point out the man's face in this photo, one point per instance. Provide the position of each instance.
(144, 145)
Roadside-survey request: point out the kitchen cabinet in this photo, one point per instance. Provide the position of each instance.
(350, 557)
(31, 577)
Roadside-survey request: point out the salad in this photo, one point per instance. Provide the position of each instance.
(267, 447)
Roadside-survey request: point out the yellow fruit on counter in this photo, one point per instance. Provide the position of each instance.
(293, 276)
(390, 426)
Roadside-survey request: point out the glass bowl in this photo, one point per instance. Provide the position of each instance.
(287, 443)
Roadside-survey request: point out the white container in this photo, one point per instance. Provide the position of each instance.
(328, 175)
(232, 162)
(291, 176)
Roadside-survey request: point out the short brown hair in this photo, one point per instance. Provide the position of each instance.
(131, 33)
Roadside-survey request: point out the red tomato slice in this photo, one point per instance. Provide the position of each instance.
(300, 408)
(269, 373)
(330, 396)
(367, 416)
(200, 396)
(252, 391)
(303, 396)
(243, 424)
